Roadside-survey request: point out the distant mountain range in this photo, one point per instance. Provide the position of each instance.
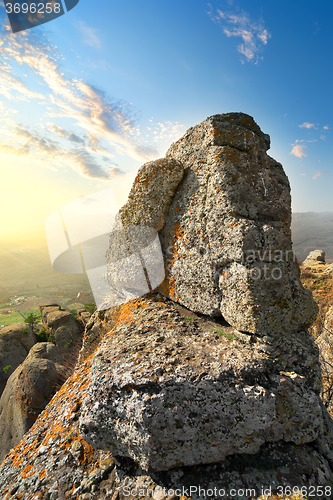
(311, 231)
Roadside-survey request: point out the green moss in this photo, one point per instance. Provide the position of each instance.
(228, 336)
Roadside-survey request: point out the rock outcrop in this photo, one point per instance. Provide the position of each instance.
(226, 237)
(61, 325)
(314, 258)
(213, 381)
(36, 371)
(151, 194)
(149, 384)
(14, 347)
(178, 394)
(83, 316)
(27, 393)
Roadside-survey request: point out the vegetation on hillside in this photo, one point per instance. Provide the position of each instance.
(321, 286)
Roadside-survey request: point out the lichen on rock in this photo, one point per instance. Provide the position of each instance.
(214, 379)
(227, 239)
(176, 394)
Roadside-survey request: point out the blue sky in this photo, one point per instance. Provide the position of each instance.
(88, 98)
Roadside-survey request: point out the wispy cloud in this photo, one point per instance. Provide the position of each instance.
(318, 174)
(33, 145)
(298, 151)
(168, 131)
(306, 125)
(89, 35)
(239, 24)
(103, 126)
(64, 133)
(325, 127)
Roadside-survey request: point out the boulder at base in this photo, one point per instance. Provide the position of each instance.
(27, 393)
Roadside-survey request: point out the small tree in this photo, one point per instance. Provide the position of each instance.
(32, 319)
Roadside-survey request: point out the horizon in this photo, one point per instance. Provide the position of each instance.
(37, 234)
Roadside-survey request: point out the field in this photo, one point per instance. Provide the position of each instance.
(27, 280)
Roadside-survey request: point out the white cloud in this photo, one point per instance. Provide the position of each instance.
(64, 133)
(318, 174)
(298, 151)
(168, 131)
(104, 126)
(89, 35)
(306, 125)
(325, 127)
(253, 34)
(43, 149)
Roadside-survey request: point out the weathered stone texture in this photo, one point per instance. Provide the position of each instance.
(61, 325)
(99, 324)
(151, 194)
(54, 460)
(172, 398)
(223, 210)
(229, 221)
(176, 394)
(14, 347)
(27, 393)
(315, 257)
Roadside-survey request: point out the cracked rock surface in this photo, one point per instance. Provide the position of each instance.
(154, 355)
(213, 381)
(227, 240)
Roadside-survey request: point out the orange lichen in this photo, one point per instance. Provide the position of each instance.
(27, 471)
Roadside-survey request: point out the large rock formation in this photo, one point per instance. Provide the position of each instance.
(27, 393)
(14, 347)
(314, 258)
(226, 237)
(223, 394)
(36, 371)
(65, 331)
(161, 392)
(180, 394)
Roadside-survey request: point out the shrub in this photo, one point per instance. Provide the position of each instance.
(5, 368)
(73, 313)
(42, 335)
(91, 307)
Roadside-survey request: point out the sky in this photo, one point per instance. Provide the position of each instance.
(89, 97)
